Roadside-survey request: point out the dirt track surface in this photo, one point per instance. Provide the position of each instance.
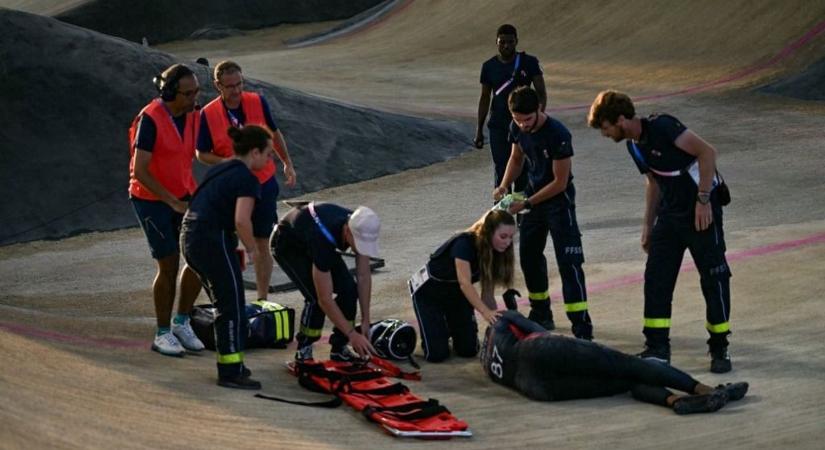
(77, 316)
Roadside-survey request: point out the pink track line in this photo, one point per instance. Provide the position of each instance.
(789, 50)
(115, 343)
(54, 336)
(740, 255)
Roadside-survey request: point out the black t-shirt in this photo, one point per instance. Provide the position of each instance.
(214, 202)
(442, 262)
(495, 73)
(147, 131)
(550, 142)
(322, 251)
(659, 155)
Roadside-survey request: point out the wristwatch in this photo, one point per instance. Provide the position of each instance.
(703, 198)
(527, 204)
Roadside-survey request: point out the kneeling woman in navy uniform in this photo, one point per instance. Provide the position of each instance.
(521, 354)
(219, 214)
(443, 294)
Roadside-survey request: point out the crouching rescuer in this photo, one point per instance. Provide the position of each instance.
(443, 295)
(306, 245)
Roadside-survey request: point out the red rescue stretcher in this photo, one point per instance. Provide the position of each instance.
(367, 387)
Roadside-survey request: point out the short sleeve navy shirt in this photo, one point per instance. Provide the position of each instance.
(323, 252)
(495, 73)
(205, 138)
(461, 246)
(657, 150)
(214, 201)
(551, 142)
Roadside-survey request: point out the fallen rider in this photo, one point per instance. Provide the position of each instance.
(543, 366)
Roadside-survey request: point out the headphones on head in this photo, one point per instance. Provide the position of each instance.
(168, 86)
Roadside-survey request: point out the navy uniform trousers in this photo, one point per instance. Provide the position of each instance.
(211, 254)
(669, 239)
(293, 257)
(556, 217)
(443, 312)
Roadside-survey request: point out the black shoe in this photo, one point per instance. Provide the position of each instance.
(245, 372)
(304, 353)
(701, 403)
(657, 354)
(583, 331)
(239, 382)
(344, 355)
(720, 361)
(543, 317)
(735, 391)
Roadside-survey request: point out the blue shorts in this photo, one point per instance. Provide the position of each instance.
(265, 213)
(160, 224)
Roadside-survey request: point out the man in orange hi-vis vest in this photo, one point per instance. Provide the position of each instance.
(162, 145)
(235, 108)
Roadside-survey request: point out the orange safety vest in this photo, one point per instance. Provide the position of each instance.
(218, 119)
(172, 154)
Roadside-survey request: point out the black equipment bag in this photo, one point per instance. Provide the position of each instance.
(722, 191)
(270, 324)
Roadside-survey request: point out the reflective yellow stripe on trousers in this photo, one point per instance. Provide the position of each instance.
(657, 323)
(723, 327)
(232, 358)
(539, 295)
(575, 307)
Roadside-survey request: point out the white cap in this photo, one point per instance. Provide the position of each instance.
(365, 226)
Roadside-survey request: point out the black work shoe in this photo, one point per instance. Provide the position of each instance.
(701, 403)
(344, 355)
(583, 331)
(304, 353)
(245, 372)
(239, 382)
(720, 361)
(735, 391)
(657, 354)
(543, 317)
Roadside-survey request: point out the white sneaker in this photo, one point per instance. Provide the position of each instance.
(186, 336)
(167, 344)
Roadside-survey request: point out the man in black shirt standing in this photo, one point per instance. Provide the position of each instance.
(500, 75)
(543, 148)
(683, 211)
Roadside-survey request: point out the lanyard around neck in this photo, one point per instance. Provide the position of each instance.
(320, 224)
(512, 78)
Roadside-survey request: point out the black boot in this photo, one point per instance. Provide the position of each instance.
(239, 382)
(583, 331)
(659, 353)
(542, 315)
(720, 360)
(719, 356)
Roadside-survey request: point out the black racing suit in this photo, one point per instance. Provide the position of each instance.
(543, 366)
